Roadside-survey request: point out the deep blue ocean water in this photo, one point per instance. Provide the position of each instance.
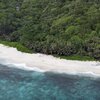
(17, 84)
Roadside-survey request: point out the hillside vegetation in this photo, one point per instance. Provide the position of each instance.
(61, 27)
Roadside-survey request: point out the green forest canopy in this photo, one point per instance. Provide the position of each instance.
(62, 27)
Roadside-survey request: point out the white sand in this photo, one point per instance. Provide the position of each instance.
(41, 62)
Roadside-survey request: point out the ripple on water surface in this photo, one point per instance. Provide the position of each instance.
(17, 84)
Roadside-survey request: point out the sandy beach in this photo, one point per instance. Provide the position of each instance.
(43, 63)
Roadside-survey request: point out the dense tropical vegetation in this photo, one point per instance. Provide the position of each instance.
(61, 27)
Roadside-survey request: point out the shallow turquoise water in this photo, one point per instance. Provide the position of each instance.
(16, 84)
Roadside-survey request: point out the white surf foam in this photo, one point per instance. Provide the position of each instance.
(41, 62)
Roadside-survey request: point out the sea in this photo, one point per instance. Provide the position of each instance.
(20, 84)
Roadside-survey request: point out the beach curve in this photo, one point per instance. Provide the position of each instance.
(43, 63)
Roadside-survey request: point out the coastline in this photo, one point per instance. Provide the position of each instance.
(24, 49)
(44, 63)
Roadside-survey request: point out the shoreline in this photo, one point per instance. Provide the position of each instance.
(24, 49)
(44, 63)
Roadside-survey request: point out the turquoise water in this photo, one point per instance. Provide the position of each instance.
(16, 84)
